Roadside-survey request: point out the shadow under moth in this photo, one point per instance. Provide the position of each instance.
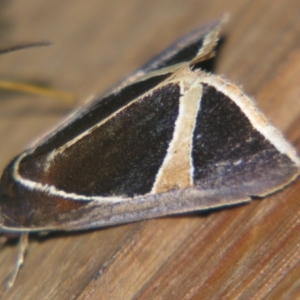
(169, 139)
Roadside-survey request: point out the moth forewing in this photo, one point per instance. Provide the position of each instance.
(168, 139)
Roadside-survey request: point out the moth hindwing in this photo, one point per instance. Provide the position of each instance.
(170, 138)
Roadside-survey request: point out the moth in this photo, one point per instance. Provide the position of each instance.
(170, 138)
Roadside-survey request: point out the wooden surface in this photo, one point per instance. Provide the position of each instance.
(245, 252)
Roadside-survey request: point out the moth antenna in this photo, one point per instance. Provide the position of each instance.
(68, 98)
(24, 46)
(29, 88)
(23, 245)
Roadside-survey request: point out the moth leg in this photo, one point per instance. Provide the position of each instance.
(23, 244)
(3, 240)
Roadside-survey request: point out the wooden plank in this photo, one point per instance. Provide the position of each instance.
(246, 252)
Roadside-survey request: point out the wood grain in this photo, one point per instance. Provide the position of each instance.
(245, 252)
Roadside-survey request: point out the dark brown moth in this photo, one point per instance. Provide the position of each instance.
(170, 138)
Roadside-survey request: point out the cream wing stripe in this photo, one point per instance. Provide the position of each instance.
(177, 169)
(53, 191)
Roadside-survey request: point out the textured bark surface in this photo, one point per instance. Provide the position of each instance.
(246, 252)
